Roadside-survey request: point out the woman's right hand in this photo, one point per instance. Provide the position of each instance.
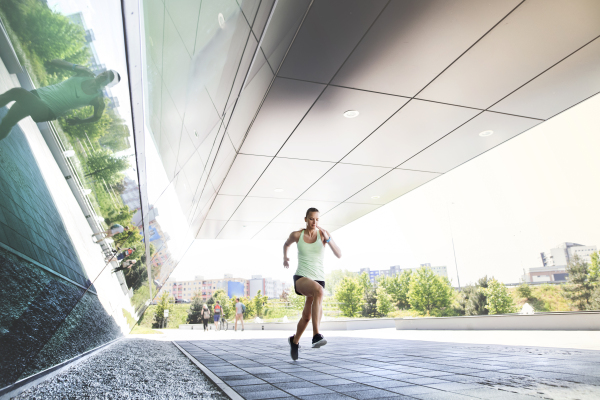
(286, 263)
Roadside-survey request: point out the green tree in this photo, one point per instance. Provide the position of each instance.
(102, 164)
(499, 300)
(428, 291)
(524, 290)
(579, 288)
(195, 311)
(250, 309)
(369, 305)
(164, 303)
(334, 278)
(385, 303)
(295, 301)
(397, 287)
(116, 135)
(595, 299)
(121, 215)
(83, 132)
(594, 269)
(472, 300)
(259, 302)
(349, 295)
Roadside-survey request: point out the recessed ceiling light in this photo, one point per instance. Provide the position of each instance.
(278, 190)
(221, 21)
(486, 133)
(375, 197)
(351, 114)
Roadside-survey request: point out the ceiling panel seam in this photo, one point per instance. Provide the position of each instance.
(263, 99)
(258, 48)
(222, 122)
(179, 34)
(413, 97)
(543, 72)
(197, 24)
(469, 48)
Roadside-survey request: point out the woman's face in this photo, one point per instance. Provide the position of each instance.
(312, 221)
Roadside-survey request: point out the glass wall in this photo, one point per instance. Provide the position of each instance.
(72, 243)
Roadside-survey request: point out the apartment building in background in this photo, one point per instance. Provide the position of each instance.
(554, 262)
(267, 286)
(234, 287)
(397, 270)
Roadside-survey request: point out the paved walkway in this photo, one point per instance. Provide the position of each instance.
(366, 368)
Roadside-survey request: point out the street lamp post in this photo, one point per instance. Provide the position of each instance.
(453, 249)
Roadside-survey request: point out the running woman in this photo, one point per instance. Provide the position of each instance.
(309, 279)
(50, 102)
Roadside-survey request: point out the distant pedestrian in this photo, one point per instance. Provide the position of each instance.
(127, 264)
(217, 315)
(125, 253)
(205, 316)
(112, 231)
(240, 308)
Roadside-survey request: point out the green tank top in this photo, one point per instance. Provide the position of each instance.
(66, 95)
(310, 258)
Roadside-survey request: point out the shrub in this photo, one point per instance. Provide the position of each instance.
(524, 290)
(499, 300)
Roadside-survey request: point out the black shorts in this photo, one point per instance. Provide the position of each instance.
(49, 114)
(296, 277)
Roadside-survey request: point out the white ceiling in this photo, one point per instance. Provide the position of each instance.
(234, 121)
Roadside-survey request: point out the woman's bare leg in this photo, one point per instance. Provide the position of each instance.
(304, 319)
(313, 290)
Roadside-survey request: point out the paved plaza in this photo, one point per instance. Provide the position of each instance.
(368, 368)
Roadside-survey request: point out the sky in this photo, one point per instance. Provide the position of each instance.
(491, 216)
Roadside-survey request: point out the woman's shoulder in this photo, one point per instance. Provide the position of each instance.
(296, 234)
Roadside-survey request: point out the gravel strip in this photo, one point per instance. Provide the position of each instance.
(130, 369)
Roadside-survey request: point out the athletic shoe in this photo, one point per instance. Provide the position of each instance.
(318, 341)
(293, 348)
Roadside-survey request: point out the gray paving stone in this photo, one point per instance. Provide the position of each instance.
(454, 386)
(410, 390)
(369, 379)
(423, 381)
(265, 394)
(389, 384)
(338, 381)
(309, 391)
(372, 394)
(352, 387)
(254, 388)
(294, 385)
(328, 396)
(242, 382)
(484, 393)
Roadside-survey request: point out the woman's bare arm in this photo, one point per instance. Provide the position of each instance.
(334, 247)
(294, 237)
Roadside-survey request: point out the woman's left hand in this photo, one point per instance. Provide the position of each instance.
(324, 233)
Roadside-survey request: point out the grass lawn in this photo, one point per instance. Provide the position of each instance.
(141, 330)
(543, 298)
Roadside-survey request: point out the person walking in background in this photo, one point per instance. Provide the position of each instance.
(205, 316)
(309, 279)
(217, 315)
(239, 313)
(110, 232)
(127, 264)
(50, 102)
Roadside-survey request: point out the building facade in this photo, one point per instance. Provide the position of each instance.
(554, 262)
(397, 270)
